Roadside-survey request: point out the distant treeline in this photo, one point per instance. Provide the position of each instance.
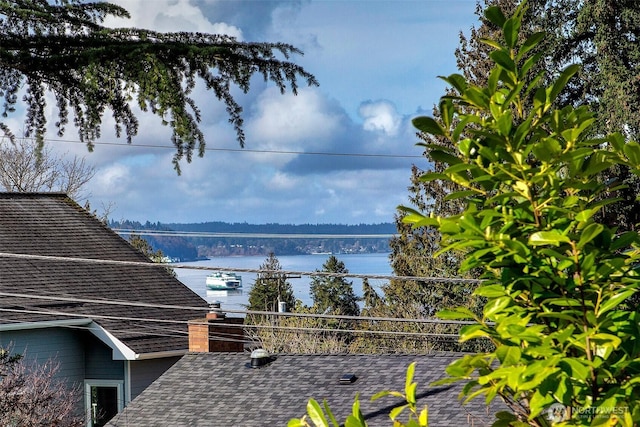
(191, 248)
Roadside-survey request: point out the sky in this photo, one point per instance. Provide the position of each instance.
(377, 63)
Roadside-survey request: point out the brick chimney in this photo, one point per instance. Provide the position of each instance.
(216, 333)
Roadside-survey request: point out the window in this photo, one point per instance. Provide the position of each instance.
(103, 400)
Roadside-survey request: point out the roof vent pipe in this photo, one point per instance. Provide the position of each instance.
(260, 358)
(282, 307)
(215, 312)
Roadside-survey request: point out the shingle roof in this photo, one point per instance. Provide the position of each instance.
(51, 224)
(220, 389)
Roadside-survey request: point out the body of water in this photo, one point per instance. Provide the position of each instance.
(373, 264)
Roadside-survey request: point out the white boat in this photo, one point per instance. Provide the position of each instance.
(220, 281)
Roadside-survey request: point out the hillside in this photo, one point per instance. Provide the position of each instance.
(221, 239)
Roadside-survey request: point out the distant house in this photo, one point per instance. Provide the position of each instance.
(103, 322)
(225, 389)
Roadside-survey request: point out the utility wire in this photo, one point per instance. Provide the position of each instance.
(247, 150)
(211, 234)
(232, 325)
(240, 270)
(246, 312)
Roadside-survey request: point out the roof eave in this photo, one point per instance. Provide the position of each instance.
(161, 354)
(44, 324)
(119, 350)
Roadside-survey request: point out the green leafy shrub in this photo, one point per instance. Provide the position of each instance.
(322, 416)
(557, 283)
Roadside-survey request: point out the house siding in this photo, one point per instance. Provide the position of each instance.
(58, 344)
(98, 362)
(144, 372)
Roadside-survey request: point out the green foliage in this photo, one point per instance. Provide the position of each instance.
(147, 250)
(600, 35)
(61, 47)
(334, 293)
(557, 282)
(271, 286)
(143, 246)
(322, 416)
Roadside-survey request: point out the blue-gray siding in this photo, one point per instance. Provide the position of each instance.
(63, 345)
(99, 364)
(144, 372)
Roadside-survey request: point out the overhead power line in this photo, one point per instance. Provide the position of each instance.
(212, 234)
(239, 270)
(246, 150)
(231, 325)
(201, 309)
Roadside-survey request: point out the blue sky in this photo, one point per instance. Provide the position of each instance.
(377, 63)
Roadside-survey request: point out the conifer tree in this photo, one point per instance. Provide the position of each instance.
(334, 293)
(61, 48)
(271, 287)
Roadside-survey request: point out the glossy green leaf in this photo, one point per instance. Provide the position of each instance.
(316, 414)
(589, 233)
(554, 238)
(428, 125)
(503, 59)
(574, 367)
(423, 417)
(330, 415)
(586, 214)
(505, 121)
(460, 195)
(625, 240)
(526, 67)
(532, 41)
(395, 412)
(540, 99)
(458, 313)
(409, 378)
(490, 291)
(547, 149)
(613, 301)
(476, 97)
(444, 157)
(511, 29)
(617, 141)
(539, 402)
(458, 82)
(469, 332)
(496, 305)
(632, 151)
(446, 112)
(562, 80)
(508, 355)
(495, 16)
(353, 421)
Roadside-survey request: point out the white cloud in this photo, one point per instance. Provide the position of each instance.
(283, 120)
(111, 182)
(282, 182)
(170, 16)
(358, 51)
(380, 116)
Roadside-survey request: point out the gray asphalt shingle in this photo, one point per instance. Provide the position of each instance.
(220, 389)
(51, 224)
